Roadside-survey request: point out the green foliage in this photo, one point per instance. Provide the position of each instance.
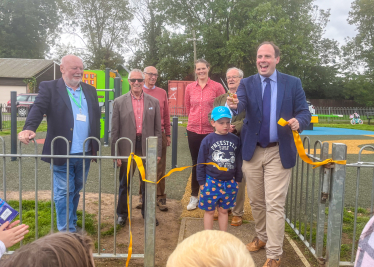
(362, 16)
(229, 33)
(347, 125)
(27, 27)
(110, 231)
(6, 124)
(44, 219)
(31, 84)
(363, 217)
(360, 88)
(358, 54)
(105, 26)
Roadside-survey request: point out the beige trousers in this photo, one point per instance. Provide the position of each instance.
(267, 185)
(238, 210)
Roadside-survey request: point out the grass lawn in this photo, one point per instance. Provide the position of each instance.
(363, 216)
(44, 221)
(364, 127)
(42, 128)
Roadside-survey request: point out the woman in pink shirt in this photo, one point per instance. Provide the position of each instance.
(199, 98)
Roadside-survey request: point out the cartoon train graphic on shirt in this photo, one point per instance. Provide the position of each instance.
(217, 157)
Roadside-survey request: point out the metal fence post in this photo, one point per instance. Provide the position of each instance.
(106, 125)
(1, 117)
(174, 144)
(336, 202)
(13, 124)
(324, 185)
(150, 202)
(117, 87)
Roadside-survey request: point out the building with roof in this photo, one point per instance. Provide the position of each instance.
(14, 72)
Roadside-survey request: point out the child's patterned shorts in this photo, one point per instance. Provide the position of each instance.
(218, 192)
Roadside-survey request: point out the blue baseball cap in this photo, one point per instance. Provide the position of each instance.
(220, 112)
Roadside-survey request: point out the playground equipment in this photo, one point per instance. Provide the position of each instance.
(97, 79)
(329, 116)
(355, 119)
(314, 119)
(105, 82)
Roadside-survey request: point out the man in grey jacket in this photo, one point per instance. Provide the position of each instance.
(136, 116)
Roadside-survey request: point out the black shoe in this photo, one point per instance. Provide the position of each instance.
(140, 204)
(121, 221)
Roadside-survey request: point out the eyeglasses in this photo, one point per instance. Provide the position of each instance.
(152, 74)
(134, 80)
(232, 77)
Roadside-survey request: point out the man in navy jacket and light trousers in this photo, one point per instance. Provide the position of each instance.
(269, 150)
(72, 110)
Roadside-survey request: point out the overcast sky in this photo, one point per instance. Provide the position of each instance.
(338, 27)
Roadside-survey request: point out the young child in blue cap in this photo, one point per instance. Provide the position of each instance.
(219, 188)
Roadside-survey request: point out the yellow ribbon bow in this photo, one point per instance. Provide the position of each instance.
(301, 150)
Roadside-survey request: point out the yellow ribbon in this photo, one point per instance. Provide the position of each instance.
(129, 253)
(301, 150)
(140, 165)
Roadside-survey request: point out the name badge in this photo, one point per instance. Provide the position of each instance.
(7, 213)
(81, 117)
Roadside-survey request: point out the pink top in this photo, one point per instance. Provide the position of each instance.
(199, 102)
(160, 94)
(138, 107)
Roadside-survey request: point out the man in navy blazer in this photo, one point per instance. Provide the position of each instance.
(72, 110)
(269, 150)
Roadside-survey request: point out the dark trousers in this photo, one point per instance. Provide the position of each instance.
(123, 188)
(161, 166)
(194, 141)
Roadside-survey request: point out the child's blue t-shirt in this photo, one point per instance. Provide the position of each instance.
(225, 151)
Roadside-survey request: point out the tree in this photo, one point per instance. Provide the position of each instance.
(105, 27)
(232, 30)
(360, 89)
(27, 27)
(358, 54)
(362, 17)
(148, 43)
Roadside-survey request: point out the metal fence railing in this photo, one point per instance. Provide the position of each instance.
(5, 116)
(359, 202)
(345, 111)
(150, 198)
(328, 207)
(180, 112)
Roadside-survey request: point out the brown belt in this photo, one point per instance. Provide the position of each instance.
(270, 144)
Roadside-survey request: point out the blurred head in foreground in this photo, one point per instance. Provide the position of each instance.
(55, 250)
(211, 248)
